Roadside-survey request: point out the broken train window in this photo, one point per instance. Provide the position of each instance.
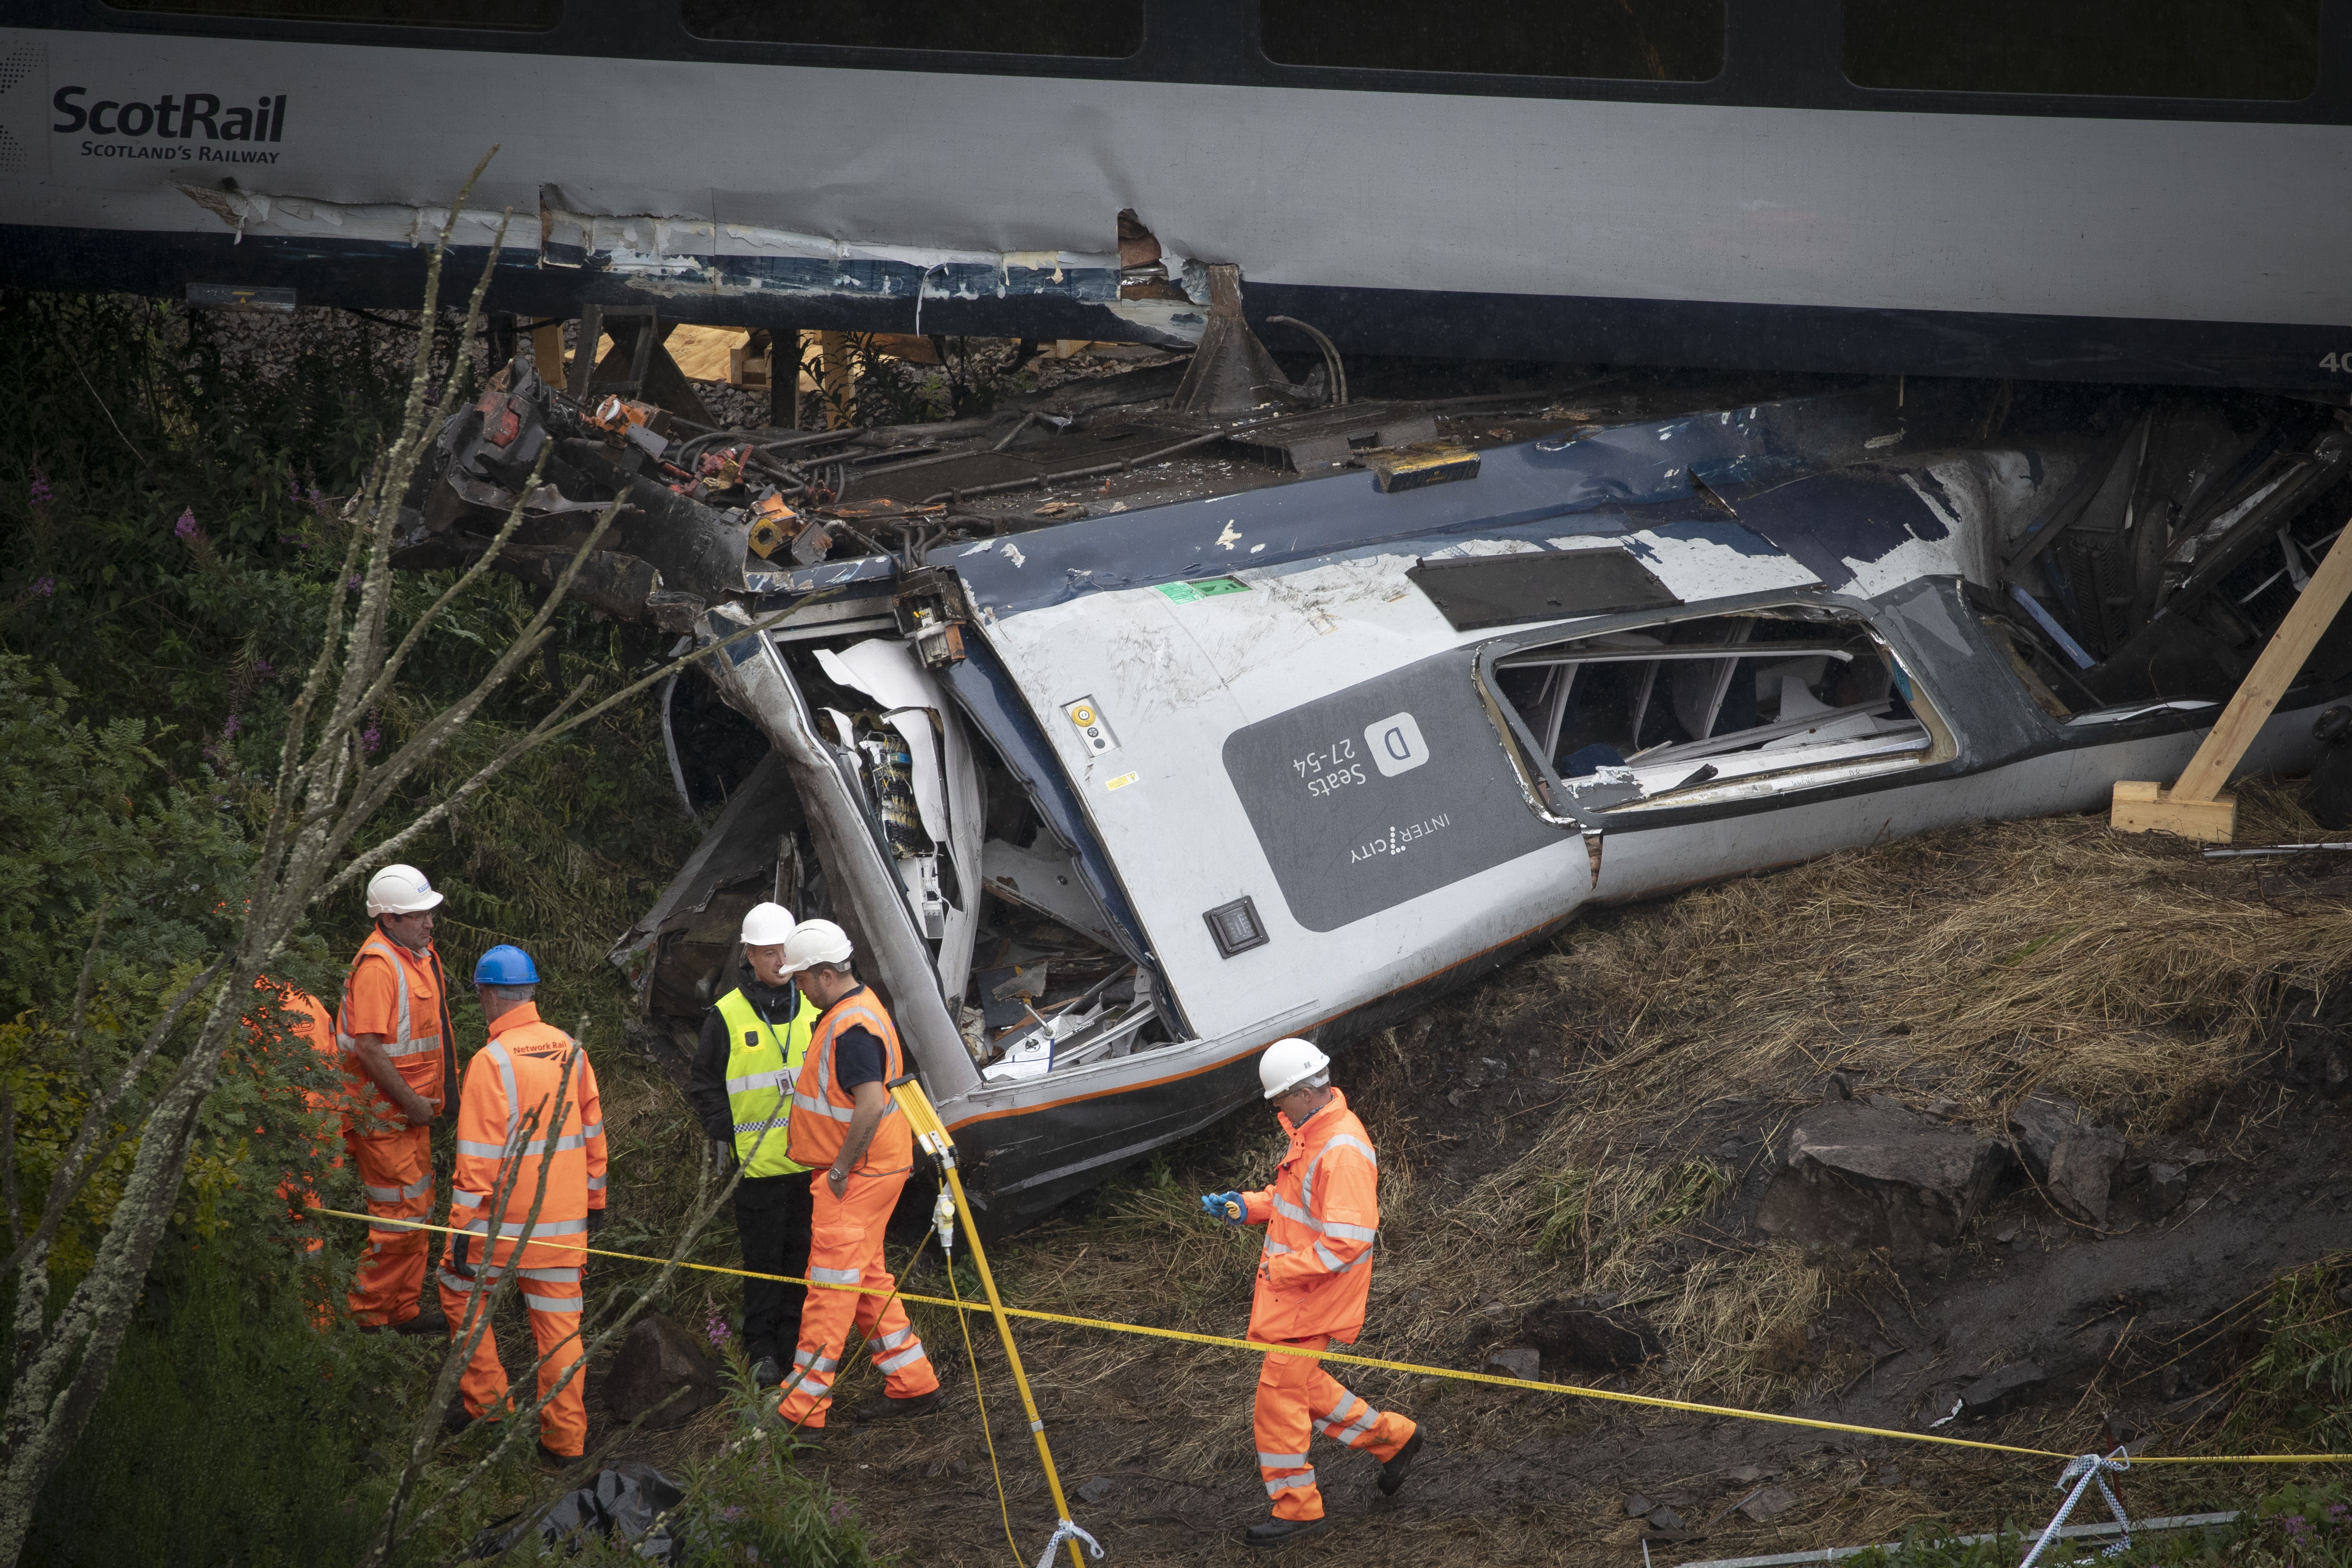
(1085, 29)
(2254, 49)
(1714, 709)
(2161, 566)
(1629, 40)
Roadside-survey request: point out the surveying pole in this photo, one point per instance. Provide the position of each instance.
(923, 1119)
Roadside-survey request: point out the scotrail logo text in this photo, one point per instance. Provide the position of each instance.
(189, 127)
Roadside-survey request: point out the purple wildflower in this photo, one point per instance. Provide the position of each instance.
(45, 585)
(185, 529)
(715, 1327)
(370, 738)
(318, 501)
(262, 668)
(837, 1513)
(230, 727)
(40, 488)
(2295, 1525)
(352, 582)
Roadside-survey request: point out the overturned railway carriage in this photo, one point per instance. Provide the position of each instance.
(1110, 804)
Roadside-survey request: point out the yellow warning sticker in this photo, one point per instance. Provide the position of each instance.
(1122, 781)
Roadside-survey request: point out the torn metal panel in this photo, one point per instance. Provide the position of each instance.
(946, 782)
(706, 260)
(868, 899)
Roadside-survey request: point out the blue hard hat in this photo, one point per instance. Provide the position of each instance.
(506, 965)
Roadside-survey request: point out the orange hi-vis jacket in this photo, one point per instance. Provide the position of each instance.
(392, 992)
(822, 1109)
(521, 1071)
(1321, 1217)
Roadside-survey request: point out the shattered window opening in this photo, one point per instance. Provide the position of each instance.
(1721, 706)
(2244, 49)
(507, 15)
(1624, 40)
(1081, 28)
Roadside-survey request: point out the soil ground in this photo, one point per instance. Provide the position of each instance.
(1597, 1123)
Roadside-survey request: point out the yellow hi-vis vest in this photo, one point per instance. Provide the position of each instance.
(760, 1071)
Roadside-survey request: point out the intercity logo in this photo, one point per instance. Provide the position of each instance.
(169, 128)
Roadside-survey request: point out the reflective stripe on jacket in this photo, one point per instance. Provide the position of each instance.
(822, 1111)
(1321, 1217)
(414, 1044)
(760, 1065)
(518, 1072)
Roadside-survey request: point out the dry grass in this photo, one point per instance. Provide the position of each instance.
(1976, 966)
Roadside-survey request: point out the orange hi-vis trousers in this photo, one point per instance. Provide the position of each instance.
(846, 1248)
(553, 1302)
(1297, 1398)
(396, 1170)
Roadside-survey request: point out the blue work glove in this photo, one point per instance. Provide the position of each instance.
(1226, 1206)
(455, 1262)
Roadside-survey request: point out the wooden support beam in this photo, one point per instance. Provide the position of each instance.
(547, 352)
(838, 385)
(2195, 806)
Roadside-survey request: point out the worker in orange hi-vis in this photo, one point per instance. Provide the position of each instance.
(393, 1030)
(510, 1130)
(846, 1128)
(1314, 1276)
(309, 1023)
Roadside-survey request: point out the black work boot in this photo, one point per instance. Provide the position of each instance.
(429, 1321)
(767, 1372)
(887, 1408)
(1392, 1473)
(550, 1460)
(1277, 1531)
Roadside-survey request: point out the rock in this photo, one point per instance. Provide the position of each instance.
(2037, 1123)
(656, 1356)
(1744, 1475)
(1636, 1506)
(1866, 1174)
(2074, 1161)
(1578, 1335)
(2002, 1390)
(2083, 1172)
(1890, 1476)
(2167, 1185)
(1517, 1361)
(1666, 1519)
(1095, 1491)
(1770, 1503)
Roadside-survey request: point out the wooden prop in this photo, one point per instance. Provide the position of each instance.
(2195, 807)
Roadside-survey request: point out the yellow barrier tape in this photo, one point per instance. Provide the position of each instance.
(1256, 1347)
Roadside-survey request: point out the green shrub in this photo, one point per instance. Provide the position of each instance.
(232, 1432)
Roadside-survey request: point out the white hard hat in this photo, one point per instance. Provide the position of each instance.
(766, 925)
(813, 942)
(400, 890)
(1288, 1063)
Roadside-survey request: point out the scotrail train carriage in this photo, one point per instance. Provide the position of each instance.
(2090, 189)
